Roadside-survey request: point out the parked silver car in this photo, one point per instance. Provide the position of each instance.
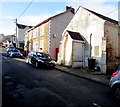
(14, 53)
(115, 83)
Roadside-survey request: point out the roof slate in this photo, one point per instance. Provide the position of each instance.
(75, 35)
(23, 26)
(69, 10)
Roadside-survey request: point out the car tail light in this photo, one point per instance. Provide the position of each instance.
(115, 73)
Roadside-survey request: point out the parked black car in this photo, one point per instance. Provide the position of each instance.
(40, 59)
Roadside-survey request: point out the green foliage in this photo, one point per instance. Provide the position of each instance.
(5, 37)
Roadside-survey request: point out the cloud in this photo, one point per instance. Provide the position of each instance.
(7, 30)
(107, 9)
(103, 7)
(33, 20)
(7, 26)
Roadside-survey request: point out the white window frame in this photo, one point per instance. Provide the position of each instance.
(37, 30)
(30, 34)
(42, 30)
(41, 45)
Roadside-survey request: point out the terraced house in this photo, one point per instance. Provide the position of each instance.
(46, 36)
(20, 30)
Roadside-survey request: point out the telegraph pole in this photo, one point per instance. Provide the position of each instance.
(16, 32)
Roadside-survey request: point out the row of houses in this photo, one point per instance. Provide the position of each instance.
(71, 38)
(46, 36)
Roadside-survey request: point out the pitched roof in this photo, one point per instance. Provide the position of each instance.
(69, 10)
(75, 35)
(23, 26)
(101, 16)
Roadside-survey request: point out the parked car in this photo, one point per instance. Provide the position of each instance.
(40, 59)
(14, 53)
(115, 83)
(10, 48)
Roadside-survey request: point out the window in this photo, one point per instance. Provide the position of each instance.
(35, 33)
(35, 46)
(30, 35)
(96, 50)
(41, 30)
(41, 45)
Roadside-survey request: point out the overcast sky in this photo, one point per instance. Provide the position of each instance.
(39, 10)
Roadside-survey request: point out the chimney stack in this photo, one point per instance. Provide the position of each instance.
(70, 8)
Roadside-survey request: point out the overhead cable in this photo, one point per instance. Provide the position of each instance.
(25, 9)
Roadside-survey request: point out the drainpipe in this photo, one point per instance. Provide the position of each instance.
(90, 43)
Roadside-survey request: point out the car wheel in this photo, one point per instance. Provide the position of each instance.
(117, 92)
(11, 55)
(36, 64)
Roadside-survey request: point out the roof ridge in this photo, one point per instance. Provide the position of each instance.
(46, 20)
(100, 15)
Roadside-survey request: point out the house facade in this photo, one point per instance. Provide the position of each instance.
(101, 39)
(20, 32)
(45, 36)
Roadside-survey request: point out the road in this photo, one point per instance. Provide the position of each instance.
(49, 87)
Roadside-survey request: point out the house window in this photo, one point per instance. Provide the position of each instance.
(35, 33)
(30, 37)
(41, 30)
(35, 46)
(96, 50)
(41, 45)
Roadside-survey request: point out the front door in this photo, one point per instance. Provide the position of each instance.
(78, 54)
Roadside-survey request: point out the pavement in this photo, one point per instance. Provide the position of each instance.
(95, 76)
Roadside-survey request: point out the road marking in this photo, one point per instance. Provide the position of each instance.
(4, 57)
(95, 104)
(20, 59)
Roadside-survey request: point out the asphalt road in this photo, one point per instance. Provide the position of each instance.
(24, 85)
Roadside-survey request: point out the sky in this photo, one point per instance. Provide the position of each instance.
(40, 10)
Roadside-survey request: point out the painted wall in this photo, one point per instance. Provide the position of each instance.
(73, 52)
(30, 41)
(91, 28)
(43, 39)
(20, 35)
(112, 44)
(57, 26)
(68, 51)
